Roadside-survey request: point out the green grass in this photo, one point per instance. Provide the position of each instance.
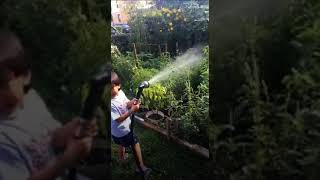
(174, 161)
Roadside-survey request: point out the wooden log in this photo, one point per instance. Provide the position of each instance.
(150, 126)
(193, 147)
(177, 48)
(204, 152)
(166, 47)
(159, 47)
(168, 127)
(135, 51)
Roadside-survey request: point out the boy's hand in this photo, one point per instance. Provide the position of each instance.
(72, 129)
(77, 149)
(88, 129)
(63, 134)
(135, 107)
(132, 102)
(136, 101)
(78, 146)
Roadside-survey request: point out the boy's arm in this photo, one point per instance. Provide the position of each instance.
(52, 171)
(76, 150)
(13, 166)
(126, 100)
(116, 116)
(124, 116)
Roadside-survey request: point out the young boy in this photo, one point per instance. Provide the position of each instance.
(121, 110)
(28, 132)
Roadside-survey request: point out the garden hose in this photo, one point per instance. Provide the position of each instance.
(144, 84)
(91, 103)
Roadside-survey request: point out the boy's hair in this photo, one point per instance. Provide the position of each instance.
(115, 78)
(12, 57)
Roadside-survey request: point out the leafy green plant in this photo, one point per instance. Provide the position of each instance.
(150, 61)
(155, 97)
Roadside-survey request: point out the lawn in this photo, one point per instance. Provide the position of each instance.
(171, 161)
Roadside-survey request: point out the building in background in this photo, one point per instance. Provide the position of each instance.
(119, 9)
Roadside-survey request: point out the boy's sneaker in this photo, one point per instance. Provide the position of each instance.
(145, 173)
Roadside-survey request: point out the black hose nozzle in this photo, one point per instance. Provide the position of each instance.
(144, 84)
(96, 89)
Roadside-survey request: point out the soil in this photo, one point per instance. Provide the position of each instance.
(155, 117)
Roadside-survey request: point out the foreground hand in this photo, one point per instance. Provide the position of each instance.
(90, 128)
(77, 149)
(62, 135)
(71, 128)
(136, 101)
(135, 107)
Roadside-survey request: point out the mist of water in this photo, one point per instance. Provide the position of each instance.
(191, 58)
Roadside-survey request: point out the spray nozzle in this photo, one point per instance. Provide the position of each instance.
(144, 84)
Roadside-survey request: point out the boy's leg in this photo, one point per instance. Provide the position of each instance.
(138, 157)
(122, 152)
(136, 149)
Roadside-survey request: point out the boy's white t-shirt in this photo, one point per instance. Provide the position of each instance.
(118, 108)
(25, 141)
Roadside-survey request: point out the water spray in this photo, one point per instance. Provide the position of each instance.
(191, 58)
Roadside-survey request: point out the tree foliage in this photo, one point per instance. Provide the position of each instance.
(185, 23)
(266, 117)
(67, 43)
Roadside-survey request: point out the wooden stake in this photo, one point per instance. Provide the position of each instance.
(166, 47)
(168, 127)
(135, 53)
(177, 48)
(159, 47)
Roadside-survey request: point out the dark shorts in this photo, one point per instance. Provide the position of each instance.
(127, 140)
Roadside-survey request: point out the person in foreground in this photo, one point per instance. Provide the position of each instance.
(121, 110)
(29, 135)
